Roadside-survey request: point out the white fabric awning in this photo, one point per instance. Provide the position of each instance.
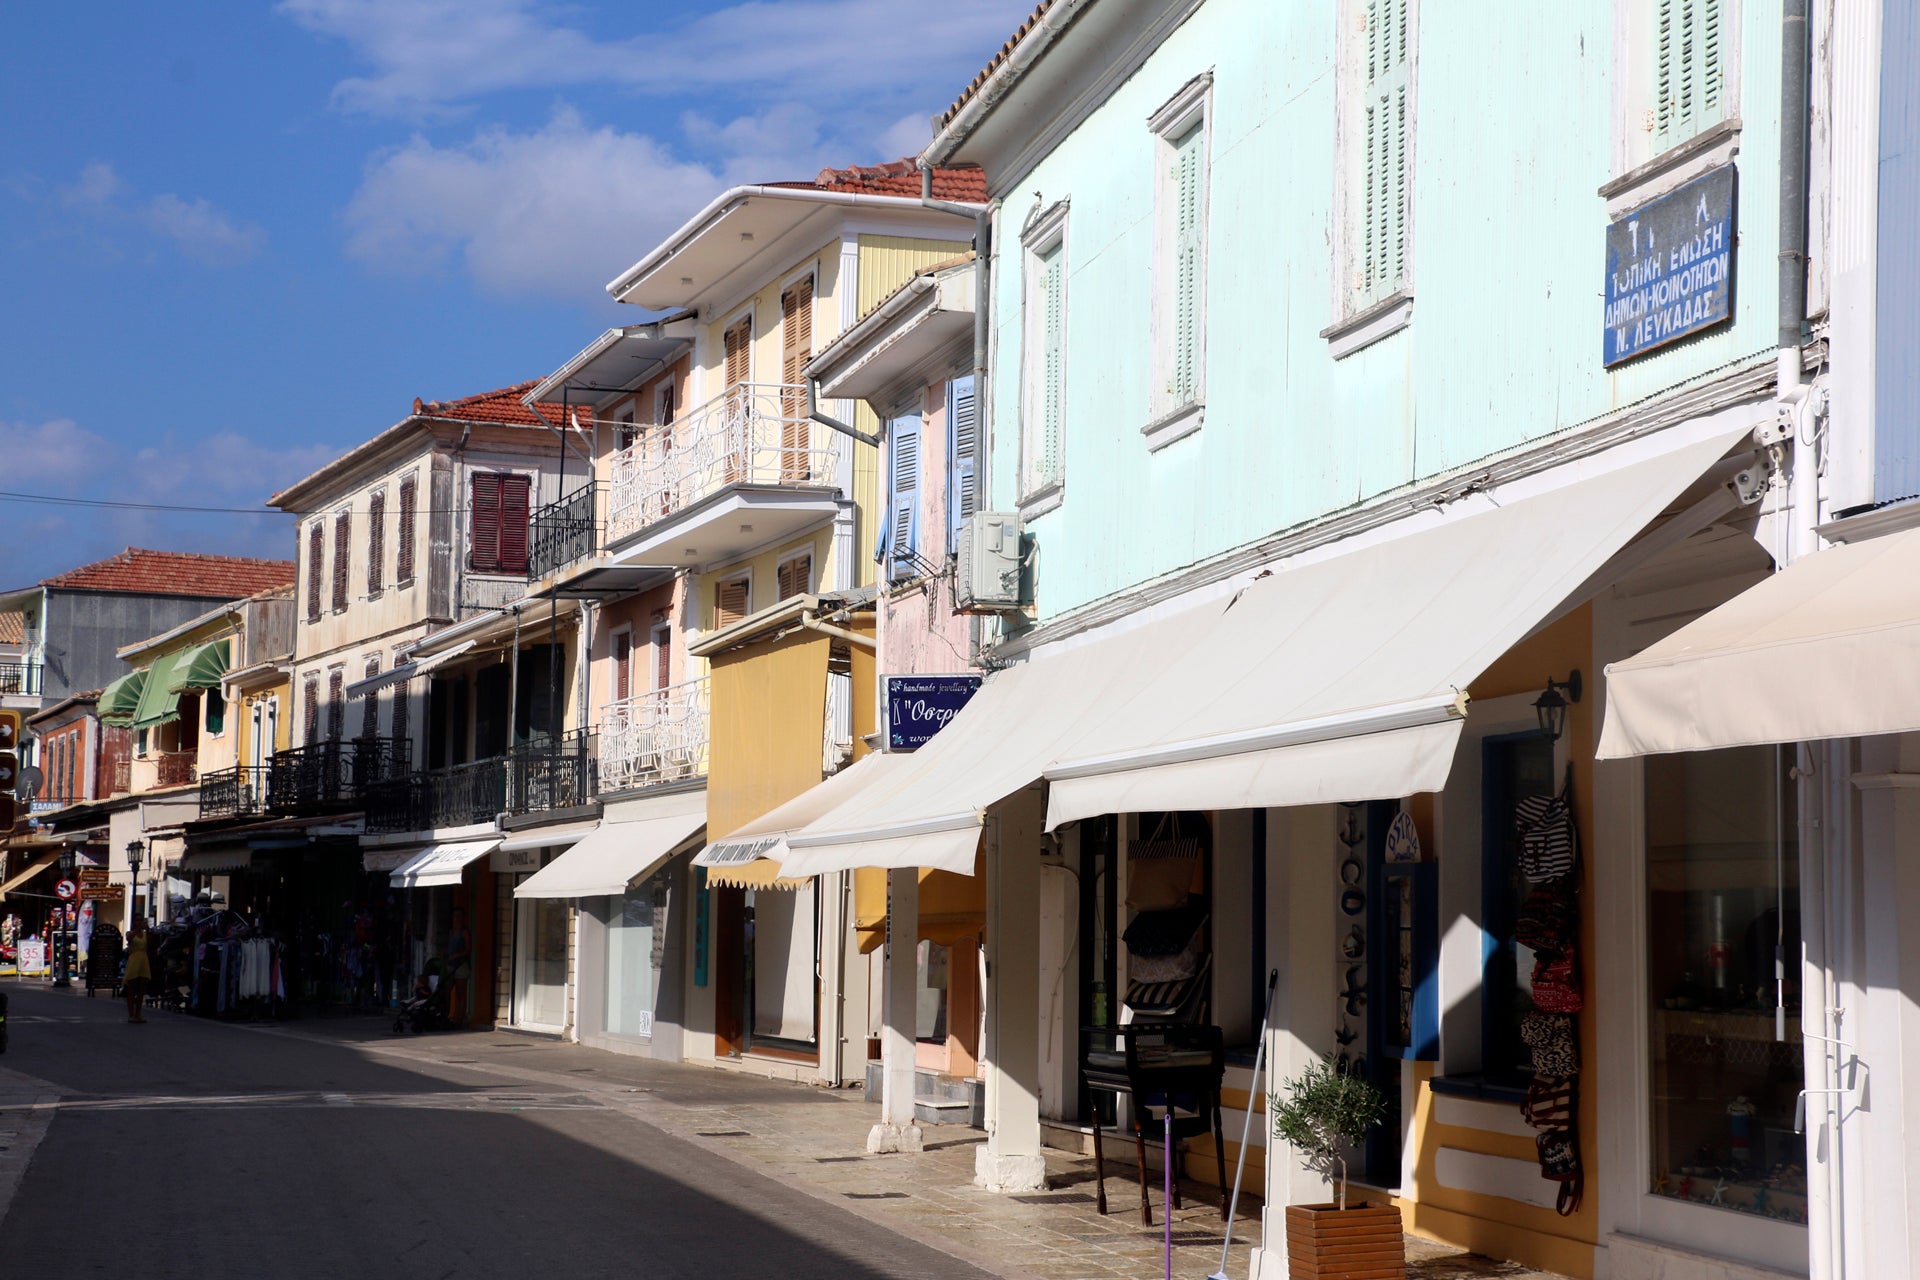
(1827, 648)
(440, 864)
(766, 836)
(616, 854)
(1338, 677)
(404, 671)
(548, 837)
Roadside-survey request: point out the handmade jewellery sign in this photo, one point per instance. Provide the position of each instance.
(920, 706)
(1670, 267)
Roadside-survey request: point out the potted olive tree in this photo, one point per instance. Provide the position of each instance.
(1321, 1113)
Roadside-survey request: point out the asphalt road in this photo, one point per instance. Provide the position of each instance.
(182, 1148)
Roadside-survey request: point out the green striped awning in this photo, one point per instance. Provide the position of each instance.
(201, 667)
(120, 700)
(159, 699)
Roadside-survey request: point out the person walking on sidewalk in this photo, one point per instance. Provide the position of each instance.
(139, 971)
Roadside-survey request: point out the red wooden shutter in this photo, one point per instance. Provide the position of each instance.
(622, 665)
(409, 499)
(342, 553)
(516, 493)
(662, 659)
(485, 535)
(376, 541)
(316, 550)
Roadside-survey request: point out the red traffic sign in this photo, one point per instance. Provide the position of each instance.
(65, 890)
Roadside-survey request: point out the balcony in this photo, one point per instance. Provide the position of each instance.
(333, 774)
(175, 768)
(746, 468)
(654, 737)
(537, 778)
(234, 793)
(21, 678)
(562, 532)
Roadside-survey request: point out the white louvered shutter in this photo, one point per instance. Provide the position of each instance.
(963, 439)
(1689, 55)
(1383, 204)
(1189, 154)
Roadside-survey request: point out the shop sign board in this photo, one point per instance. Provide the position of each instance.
(95, 888)
(32, 955)
(917, 707)
(1670, 267)
(516, 861)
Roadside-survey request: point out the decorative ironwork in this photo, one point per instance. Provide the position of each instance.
(175, 768)
(562, 532)
(654, 737)
(558, 773)
(333, 774)
(235, 792)
(20, 677)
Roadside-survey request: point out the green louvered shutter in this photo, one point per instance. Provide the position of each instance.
(1383, 202)
(963, 438)
(1052, 366)
(1689, 55)
(1188, 171)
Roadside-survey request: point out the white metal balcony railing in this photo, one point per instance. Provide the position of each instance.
(654, 737)
(755, 433)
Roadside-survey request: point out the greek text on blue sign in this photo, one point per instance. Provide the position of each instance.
(1670, 267)
(920, 706)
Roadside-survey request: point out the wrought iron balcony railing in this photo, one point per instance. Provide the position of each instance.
(562, 532)
(234, 793)
(557, 773)
(333, 774)
(20, 677)
(654, 737)
(175, 768)
(754, 433)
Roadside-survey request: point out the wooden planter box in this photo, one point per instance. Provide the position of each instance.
(1362, 1242)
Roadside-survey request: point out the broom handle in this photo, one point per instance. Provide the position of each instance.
(1246, 1130)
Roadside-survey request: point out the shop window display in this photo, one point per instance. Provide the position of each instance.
(1723, 947)
(636, 946)
(930, 1004)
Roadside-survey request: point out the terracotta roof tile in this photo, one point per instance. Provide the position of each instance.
(491, 406)
(899, 178)
(13, 628)
(993, 64)
(177, 573)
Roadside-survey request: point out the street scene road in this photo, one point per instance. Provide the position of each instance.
(188, 1148)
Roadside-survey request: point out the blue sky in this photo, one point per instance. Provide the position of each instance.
(238, 238)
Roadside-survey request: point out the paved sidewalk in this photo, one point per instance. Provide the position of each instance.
(815, 1139)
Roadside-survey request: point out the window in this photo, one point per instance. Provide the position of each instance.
(794, 576)
(370, 704)
(1374, 191)
(737, 342)
(636, 932)
(963, 444)
(403, 716)
(310, 709)
(900, 524)
(1043, 413)
(624, 432)
(1514, 767)
(376, 541)
(796, 349)
(663, 404)
(500, 511)
(336, 702)
(1180, 261)
(342, 555)
(662, 657)
(730, 598)
(216, 710)
(316, 550)
(620, 648)
(140, 740)
(409, 500)
(1689, 52)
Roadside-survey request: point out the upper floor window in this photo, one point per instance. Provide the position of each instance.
(336, 702)
(376, 541)
(310, 709)
(409, 505)
(620, 649)
(1374, 156)
(1044, 351)
(342, 555)
(500, 510)
(316, 551)
(1180, 130)
(794, 576)
(1688, 46)
(624, 432)
(796, 349)
(730, 600)
(963, 444)
(370, 704)
(900, 524)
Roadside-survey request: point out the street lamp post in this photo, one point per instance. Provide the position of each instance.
(62, 976)
(135, 850)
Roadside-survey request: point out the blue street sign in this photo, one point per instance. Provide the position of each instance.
(1670, 267)
(920, 706)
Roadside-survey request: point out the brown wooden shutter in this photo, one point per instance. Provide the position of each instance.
(485, 535)
(795, 576)
(316, 551)
(336, 693)
(342, 554)
(402, 715)
(409, 499)
(729, 602)
(622, 665)
(796, 349)
(370, 715)
(738, 341)
(310, 707)
(376, 541)
(662, 659)
(516, 508)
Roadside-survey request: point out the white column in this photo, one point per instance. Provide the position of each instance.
(897, 1130)
(1011, 1160)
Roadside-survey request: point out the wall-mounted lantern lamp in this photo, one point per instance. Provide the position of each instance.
(1551, 706)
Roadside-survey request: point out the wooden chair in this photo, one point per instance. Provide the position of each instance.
(1159, 1065)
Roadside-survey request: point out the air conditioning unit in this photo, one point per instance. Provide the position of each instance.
(987, 575)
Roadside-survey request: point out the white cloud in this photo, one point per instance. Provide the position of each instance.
(427, 56)
(557, 211)
(196, 227)
(57, 452)
(907, 136)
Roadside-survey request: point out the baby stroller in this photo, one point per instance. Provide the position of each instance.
(426, 1010)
